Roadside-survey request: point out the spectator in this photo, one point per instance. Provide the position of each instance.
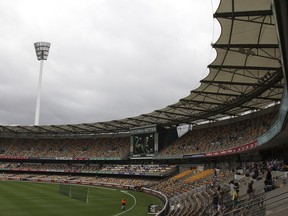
(235, 198)
(255, 172)
(250, 190)
(231, 184)
(268, 178)
(236, 186)
(215, 203)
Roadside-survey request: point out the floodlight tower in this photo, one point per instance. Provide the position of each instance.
(42, 51)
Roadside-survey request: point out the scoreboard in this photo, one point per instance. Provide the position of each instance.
(144, 141)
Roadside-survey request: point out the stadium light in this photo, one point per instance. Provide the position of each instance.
(42, 51)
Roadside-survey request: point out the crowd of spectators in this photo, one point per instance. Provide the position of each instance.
(237, 197)
(140, 169)
(101, 148)
(204, 140)
(220, 137)
(108, 181)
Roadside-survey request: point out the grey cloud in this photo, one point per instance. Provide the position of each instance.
(108, 59)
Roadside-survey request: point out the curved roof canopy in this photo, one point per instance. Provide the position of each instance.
(245, 76)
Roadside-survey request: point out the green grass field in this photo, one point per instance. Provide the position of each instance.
(26, 198)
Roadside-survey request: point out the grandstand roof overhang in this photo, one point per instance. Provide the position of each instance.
(245, 76)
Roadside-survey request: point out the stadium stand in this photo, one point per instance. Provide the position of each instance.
(102, 148)
(239, 118)
(220, 137)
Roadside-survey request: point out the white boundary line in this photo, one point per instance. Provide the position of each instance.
(135, 202)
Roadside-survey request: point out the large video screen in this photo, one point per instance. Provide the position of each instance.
(144, 141)
(143, 144)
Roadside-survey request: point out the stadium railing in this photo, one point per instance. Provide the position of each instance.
(164, 211)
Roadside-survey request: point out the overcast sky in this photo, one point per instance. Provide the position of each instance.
(109, 59)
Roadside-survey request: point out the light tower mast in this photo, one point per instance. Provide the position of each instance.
(42, 51)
